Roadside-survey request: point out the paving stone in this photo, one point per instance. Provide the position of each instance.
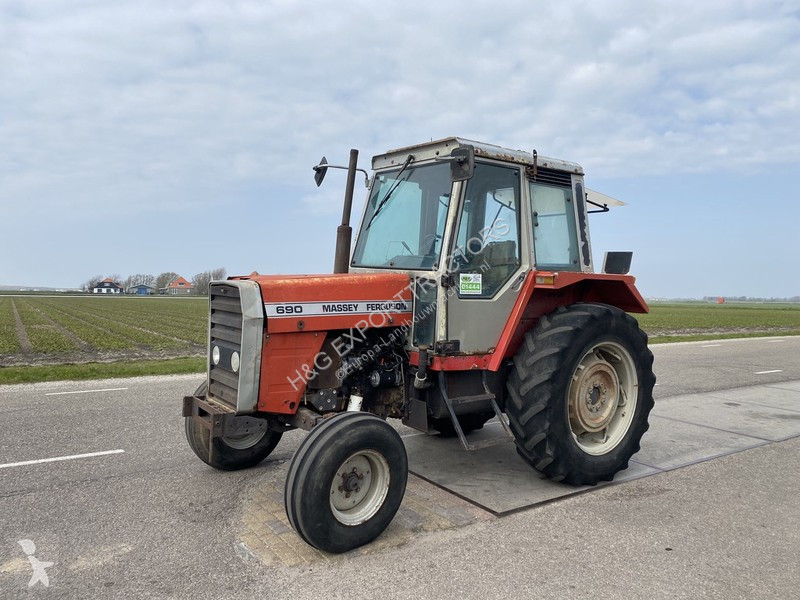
(266, 531)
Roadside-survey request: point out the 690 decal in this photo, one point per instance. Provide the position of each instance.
(288, 309)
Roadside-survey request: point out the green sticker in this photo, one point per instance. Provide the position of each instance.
(470, 283)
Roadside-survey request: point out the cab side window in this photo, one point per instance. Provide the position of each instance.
(555, 237)
(487, 251)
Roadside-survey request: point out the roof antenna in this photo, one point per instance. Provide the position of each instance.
(535, 164)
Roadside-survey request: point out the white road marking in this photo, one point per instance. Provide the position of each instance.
(766, 372)
(775, 341)
(711, 346)
(724, 342)
(60, 458)
(85, 391)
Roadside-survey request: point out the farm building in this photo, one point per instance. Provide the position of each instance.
(179, 286)
(141, 290)
(107, 286)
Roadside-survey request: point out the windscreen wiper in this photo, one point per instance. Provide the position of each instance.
(388, 195)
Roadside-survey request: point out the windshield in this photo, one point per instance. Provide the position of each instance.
(404, 222)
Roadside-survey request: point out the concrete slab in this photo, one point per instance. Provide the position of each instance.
(495, 478)
(684, 430)
(764, 396)
(719, 410)
(671, 444)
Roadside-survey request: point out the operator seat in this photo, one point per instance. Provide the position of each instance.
(502, 260)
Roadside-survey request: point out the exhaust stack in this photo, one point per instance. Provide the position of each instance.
(344, 233)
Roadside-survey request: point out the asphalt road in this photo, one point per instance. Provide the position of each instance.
(149, 520)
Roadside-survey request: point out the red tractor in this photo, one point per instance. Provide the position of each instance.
(470, 294)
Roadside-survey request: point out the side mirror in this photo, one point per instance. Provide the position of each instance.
(320, 170)
(462, 163)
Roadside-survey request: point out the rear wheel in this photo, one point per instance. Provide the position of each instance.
(580, 393)
(346, 482)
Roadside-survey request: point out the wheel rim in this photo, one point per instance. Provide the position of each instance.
(244, 441)
(359, 487)
(602, 398)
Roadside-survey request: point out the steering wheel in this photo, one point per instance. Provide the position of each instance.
(429, 242)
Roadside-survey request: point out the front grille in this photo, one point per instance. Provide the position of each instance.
(225, 333)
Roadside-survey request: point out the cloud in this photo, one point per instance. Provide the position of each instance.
(115, 109)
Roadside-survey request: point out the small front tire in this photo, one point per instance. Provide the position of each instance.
(346, 482)
(230, 453)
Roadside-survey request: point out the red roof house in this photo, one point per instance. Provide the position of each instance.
(180, 286)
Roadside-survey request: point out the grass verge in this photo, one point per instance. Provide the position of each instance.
(74, 372)
(705, 337)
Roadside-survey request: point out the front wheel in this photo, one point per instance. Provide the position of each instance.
(229, 453)
(580, 393)
(346, 482)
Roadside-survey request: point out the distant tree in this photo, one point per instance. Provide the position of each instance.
(200, 283)
(164, 279)
(139, 279)
(91, 282)
(202, 280)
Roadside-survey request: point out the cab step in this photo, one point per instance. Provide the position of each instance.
(462, 401)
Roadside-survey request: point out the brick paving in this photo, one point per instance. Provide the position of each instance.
(266, 533)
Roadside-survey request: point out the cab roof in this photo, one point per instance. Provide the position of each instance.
(443, 147)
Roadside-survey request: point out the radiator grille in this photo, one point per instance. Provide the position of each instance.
(225, 333)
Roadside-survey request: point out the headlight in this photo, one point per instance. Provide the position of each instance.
(215, 355)
(235, 362)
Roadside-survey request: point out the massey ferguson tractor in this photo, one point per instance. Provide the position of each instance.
(469, 294)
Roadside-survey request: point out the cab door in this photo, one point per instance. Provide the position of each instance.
(488, 258)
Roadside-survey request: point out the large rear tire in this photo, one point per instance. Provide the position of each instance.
(580, 393)
(346, 482)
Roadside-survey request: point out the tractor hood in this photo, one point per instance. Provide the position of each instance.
(295, 303)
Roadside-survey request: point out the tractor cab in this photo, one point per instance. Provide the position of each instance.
(476, 218)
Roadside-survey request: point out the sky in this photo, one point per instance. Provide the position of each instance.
(143, 137)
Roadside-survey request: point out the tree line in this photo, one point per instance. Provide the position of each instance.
(200, 281)
(750, 299)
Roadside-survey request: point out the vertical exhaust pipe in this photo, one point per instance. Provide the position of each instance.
(344, 233)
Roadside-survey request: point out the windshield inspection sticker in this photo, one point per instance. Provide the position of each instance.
(470, 283)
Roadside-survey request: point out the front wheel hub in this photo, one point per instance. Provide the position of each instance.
(359, 487)
(351, 482)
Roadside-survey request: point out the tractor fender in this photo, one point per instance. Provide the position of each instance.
(544, 291)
